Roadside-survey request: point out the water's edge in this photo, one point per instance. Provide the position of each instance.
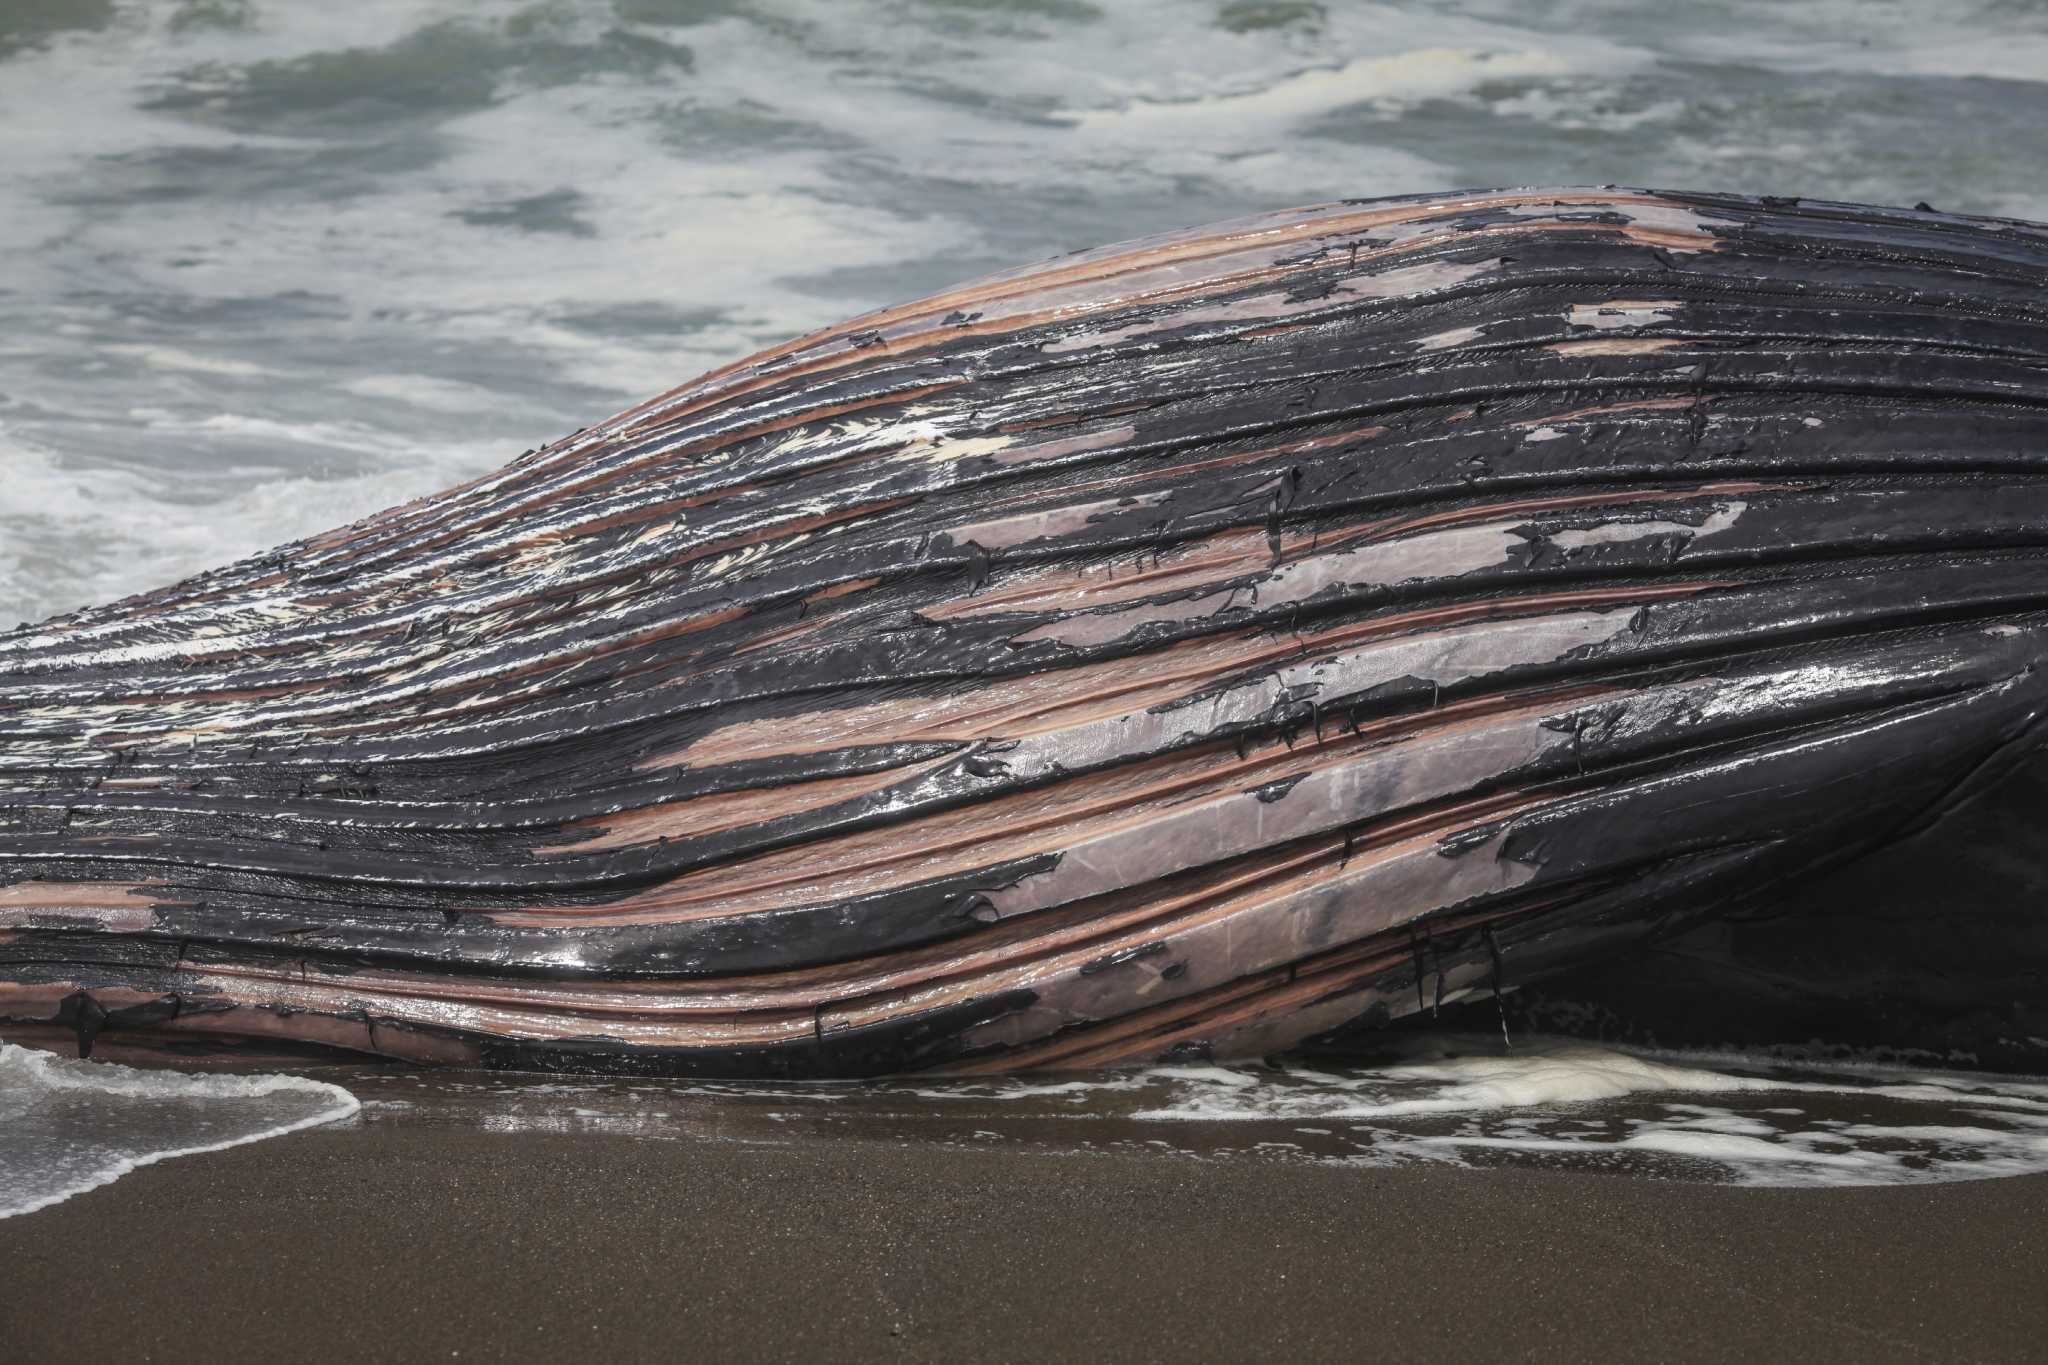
(68, 1126)
(1442, 1100)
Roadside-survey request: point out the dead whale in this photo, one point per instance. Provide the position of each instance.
(1179, 648)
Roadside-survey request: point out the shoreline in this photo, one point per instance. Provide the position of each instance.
(408, 1239)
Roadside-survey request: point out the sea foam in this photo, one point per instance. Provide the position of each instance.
(71, 1126)
(259, 276)
(1546, 1101)
(1439, 1099)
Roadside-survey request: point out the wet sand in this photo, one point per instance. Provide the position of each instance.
(405, 1241)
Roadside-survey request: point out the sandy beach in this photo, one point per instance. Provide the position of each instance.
(416, 1241)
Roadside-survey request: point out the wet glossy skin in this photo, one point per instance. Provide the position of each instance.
(1191, 645)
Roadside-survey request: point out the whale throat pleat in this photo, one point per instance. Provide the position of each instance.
(1184, 647)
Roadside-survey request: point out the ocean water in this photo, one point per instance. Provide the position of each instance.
(268, 265)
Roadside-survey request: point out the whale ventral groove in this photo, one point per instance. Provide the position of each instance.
(1142, 654)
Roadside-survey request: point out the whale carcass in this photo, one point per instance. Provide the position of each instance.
(1180, 648)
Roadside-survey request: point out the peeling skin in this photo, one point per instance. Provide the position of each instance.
(1376, 784)
(1403, 282)
(1623, 532)
(1009, 532)
(1674, 227)
(1420, 558)
(1456, 336)
(1618, 346)
(1127, 655)
(1621, 314)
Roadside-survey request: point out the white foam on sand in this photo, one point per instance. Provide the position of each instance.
(1439, 1099)
(1536, 1073)
(69, 1126)
(1550, 1099)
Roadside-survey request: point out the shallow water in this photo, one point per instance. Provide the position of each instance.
(268, 266)
(68, 1126)
(1444, 1099)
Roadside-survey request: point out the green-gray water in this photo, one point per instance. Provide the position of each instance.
(266, 265)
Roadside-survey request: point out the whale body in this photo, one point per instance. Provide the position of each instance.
(1181, 648)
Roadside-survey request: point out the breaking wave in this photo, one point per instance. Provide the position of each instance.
(70, 1126)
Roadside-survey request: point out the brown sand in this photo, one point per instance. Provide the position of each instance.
(394, 1242)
